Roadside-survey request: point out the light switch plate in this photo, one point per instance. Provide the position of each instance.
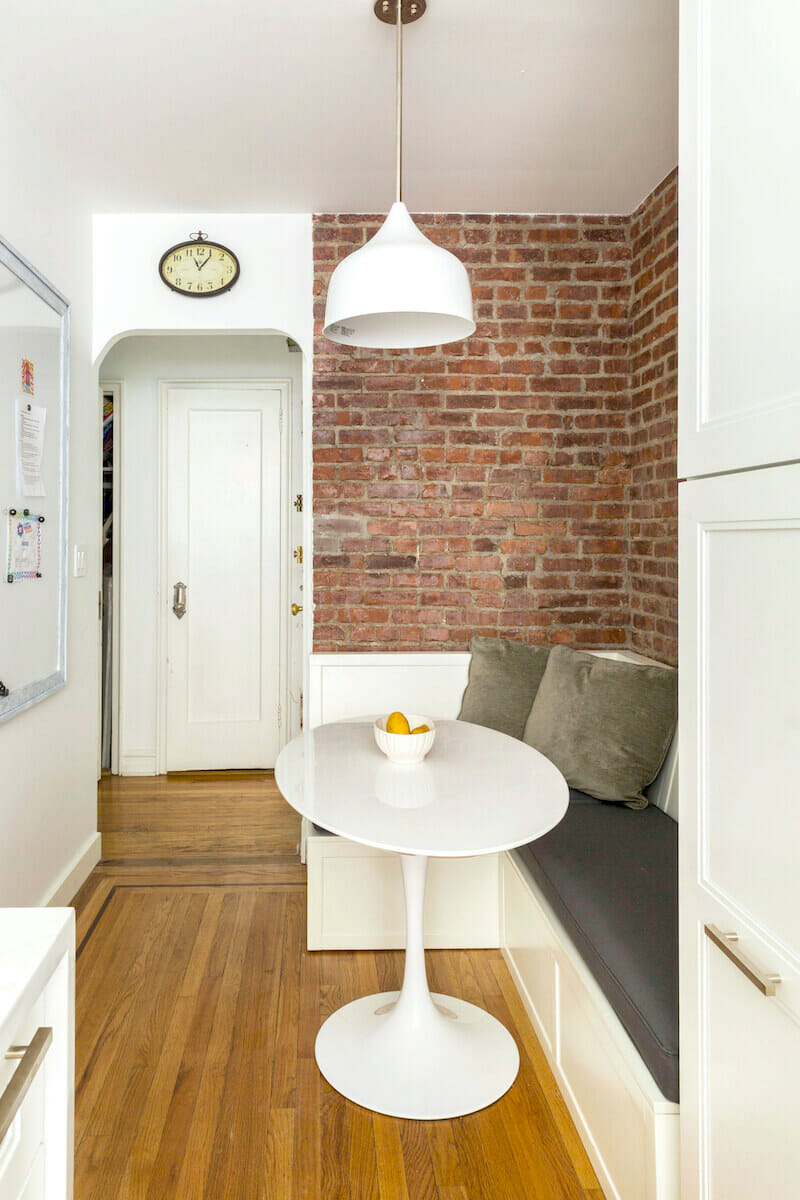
(79, 564)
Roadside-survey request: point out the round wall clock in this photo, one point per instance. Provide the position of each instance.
(199, 267)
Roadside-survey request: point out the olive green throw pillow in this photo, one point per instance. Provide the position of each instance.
(606, 724)
(503, 680)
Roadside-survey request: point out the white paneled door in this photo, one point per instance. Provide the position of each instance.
(740, 833)
(225, 500)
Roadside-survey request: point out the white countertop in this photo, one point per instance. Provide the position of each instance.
(478, 791)
(32, 942)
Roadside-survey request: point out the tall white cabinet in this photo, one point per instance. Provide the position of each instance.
(739, 449)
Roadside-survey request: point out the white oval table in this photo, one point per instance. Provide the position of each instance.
(413, 1053)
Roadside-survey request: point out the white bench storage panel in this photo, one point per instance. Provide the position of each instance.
(630, 1131)
(355, 899)
(355, 893)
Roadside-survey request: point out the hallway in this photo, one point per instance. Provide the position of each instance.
(197, 1010)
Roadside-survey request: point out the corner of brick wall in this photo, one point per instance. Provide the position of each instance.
(520, 483)
(653, 566)
(481, 487)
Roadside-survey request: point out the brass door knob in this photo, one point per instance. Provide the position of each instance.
(296, 608)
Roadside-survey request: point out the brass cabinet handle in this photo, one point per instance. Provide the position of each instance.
(296, 608)
(179, 599)
(765, 982)
(31, 1057)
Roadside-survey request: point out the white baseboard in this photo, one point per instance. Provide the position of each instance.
(74, 875)
(138, 762)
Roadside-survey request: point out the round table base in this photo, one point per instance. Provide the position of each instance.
(430, 1064)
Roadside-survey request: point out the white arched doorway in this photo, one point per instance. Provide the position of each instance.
(208, 463)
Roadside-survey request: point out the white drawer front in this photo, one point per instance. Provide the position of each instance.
(19, 1149)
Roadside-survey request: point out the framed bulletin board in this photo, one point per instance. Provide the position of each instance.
(34, 461)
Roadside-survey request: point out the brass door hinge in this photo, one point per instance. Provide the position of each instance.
(298, 502)
(298, 554)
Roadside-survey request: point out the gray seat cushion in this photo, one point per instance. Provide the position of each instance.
(611, 876)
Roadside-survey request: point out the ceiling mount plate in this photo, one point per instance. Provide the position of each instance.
(411, 10)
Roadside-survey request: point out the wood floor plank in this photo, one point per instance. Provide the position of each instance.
(284, 1067)
(242, 1116)
(204, 944)
(226, 966)
(276, 871)
(417, 1160)
(391, 1168)
(444, 1155)
(334, 1146)
(362, 1165)
(278, 1179)
(165, 1168)
(307, 1181)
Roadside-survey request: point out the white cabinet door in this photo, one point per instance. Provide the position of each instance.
(739, 256)
(225, 531)
(739, 834)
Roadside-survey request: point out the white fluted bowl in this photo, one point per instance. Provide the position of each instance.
(405, 749)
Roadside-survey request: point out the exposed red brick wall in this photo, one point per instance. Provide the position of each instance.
(483, 487)
(653, 567)
(522, 482)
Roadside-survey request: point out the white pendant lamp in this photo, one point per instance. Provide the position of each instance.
(400, 290)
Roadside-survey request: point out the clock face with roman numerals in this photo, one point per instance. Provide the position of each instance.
(199, 268)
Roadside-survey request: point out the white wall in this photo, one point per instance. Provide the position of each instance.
(139, 364)
(48, 754)
(273, 292)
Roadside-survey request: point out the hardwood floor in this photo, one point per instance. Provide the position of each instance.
(213, 816)
(197, 1010)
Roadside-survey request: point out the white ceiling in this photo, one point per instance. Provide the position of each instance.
(287, 105)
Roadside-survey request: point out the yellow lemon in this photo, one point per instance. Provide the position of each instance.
(397, 723)
(421, 729)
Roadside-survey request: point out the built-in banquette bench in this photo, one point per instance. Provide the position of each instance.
(586, 918)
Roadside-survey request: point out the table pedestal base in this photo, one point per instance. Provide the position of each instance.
(443, 1066)
(413, 1054)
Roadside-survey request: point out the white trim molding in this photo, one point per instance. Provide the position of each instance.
(74, 875)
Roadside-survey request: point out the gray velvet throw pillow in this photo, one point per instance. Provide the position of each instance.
(606, 724)
(503, 679)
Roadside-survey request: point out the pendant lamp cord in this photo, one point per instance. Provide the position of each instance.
(399, 97)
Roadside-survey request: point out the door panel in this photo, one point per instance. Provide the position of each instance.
(739, 832)
(751, 727)
(739, 271)
(224, 564)
(224, 521)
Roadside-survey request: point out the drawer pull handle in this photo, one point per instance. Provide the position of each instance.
(766, 983)
(31, 1058)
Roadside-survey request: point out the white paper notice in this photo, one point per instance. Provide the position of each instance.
(30, 448)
